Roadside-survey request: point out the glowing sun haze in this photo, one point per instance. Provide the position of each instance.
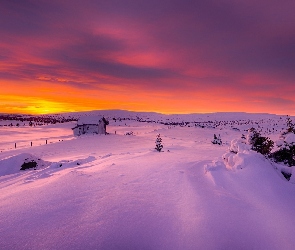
(176, 56)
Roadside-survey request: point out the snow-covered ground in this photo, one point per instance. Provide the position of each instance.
(116, 191)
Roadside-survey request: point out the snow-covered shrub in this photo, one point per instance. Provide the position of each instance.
(159, 145)
(238, 150)
(233, 161)
(238, 145)
(217, 140)
(260, 144)
(19, 162)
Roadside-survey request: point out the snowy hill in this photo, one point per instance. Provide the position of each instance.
(116, 191)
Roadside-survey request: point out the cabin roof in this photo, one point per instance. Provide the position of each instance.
(89, 120)
(82, 125)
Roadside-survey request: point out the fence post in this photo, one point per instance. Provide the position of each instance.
(14, 145)
(31, 144)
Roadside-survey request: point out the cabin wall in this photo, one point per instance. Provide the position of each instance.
(101, 128)
(90, 129)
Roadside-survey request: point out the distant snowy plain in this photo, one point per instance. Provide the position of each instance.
(116, 191)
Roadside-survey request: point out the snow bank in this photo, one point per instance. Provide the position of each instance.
(241, 160)
(241, 156)
(14, 164)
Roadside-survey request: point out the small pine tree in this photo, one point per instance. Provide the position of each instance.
(217, 139)
(159, 145)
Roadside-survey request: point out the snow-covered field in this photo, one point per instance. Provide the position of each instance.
(116, 191)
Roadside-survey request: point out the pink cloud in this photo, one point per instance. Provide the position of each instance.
(204, 48)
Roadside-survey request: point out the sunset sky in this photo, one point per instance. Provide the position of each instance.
(168, 56)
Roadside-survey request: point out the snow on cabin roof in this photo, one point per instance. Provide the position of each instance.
(89, 120)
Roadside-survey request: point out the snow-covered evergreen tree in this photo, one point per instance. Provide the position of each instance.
(159, 145)
(287, 136)
(260, 144)
(286, 145)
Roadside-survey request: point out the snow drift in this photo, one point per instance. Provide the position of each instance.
(16, 163)
(116, 192)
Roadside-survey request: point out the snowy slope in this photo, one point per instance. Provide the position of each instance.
(116, 192)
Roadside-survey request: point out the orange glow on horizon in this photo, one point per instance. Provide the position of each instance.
(67, 99)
